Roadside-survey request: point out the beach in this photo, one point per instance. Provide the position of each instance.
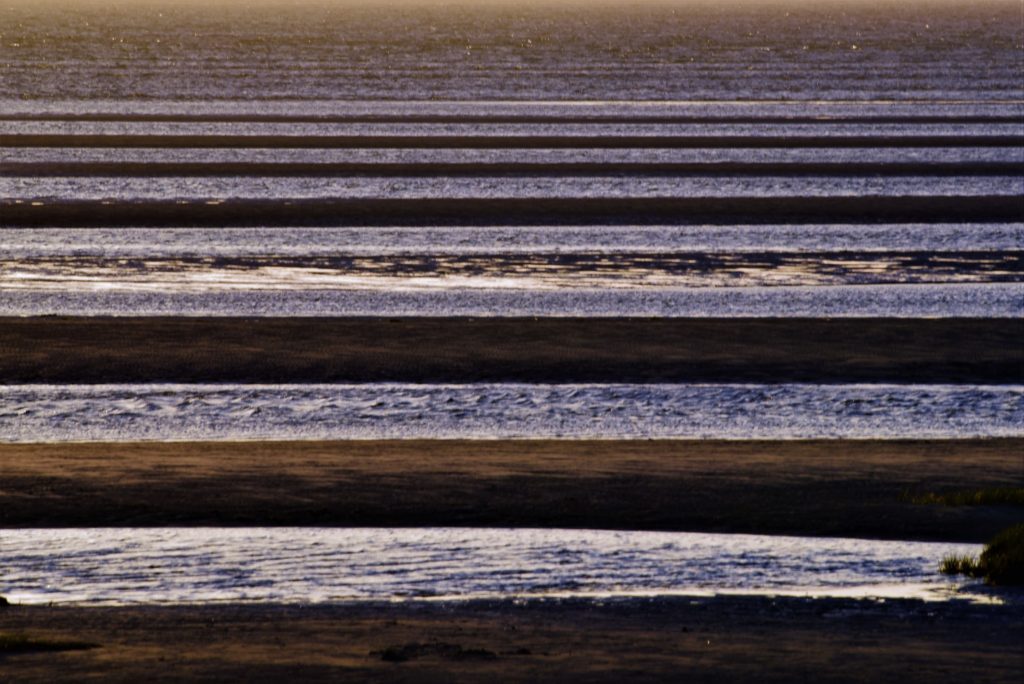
(103, 349)
(350, 341)
(853, 488)
(723, 639)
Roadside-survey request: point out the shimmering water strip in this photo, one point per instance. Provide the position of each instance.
(509, 117)
(128, 412)
(226, 187)
(760, 108)
(395, 240)
(986, 300)
(950, 127)
(880, 156)
(314, 565)
(508, 141)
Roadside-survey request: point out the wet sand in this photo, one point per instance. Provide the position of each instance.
(663, 640)
(817, 487)
(553, 350)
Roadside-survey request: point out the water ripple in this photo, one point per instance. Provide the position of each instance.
(34, 413)
(189, 565)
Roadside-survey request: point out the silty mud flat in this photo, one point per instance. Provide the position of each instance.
(460, 350)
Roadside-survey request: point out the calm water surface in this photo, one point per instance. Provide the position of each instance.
(312, 565)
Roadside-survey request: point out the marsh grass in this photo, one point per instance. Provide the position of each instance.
(22, 643)
(1000, 564)
(1003, 559)
(992, 496)
(959, 565)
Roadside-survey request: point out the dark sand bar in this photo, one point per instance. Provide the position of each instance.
(816, 487)
(29, 213)
(664, 640)
(554, 350)
(557, 169)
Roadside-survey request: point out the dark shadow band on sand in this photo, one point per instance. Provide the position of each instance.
(845, 488)
(30, 213)
(299, 169)
(549, 350)
(521, 142)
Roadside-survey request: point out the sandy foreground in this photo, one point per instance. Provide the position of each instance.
(848, 488)
(663, 640)
(458, 349)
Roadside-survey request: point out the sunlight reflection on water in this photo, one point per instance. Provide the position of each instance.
(189, 565)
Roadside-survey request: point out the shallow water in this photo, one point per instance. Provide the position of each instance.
(45, 413)
(269, 241)
(990, 300)
(892, 78)
(707, 51)
(314, 565)
(98, 187)
(871, 155)
(455, 128)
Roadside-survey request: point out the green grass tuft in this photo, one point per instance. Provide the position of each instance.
(959, 565)
(1001, 563)
(993, 496)
(1003, 557)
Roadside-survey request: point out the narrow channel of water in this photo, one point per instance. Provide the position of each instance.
(55, 413)
(300, 565)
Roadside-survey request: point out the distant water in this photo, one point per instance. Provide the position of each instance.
(127, 105)
(316, 565)
(698, 51)
(42, 413)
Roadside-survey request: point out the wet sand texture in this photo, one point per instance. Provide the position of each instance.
(820, 487)
(557, 350)
(706, 640)
(507, 211)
